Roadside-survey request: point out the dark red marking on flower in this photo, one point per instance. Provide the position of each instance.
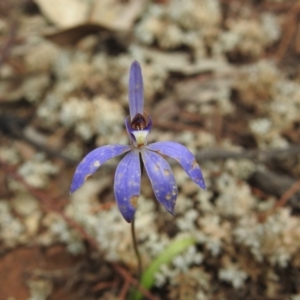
(133, 200)
(87, 176)
(138, 122)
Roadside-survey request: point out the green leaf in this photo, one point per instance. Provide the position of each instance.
(175, 248)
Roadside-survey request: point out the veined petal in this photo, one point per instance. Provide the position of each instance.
(184, 157)
(161, 178)
(93, 161)
(127, 184)
(136, 90)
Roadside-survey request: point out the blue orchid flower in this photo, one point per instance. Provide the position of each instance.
(127, 181)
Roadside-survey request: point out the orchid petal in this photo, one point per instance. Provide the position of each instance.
(129, 131)
(93, 161)
(161, 178)
(127, 184)
(184, 157)
(136, 90)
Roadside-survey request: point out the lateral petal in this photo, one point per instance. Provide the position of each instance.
(184, 157)
(93, 161)
(161, 178)
(127, 184)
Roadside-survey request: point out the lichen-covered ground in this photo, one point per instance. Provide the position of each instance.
(221, 77)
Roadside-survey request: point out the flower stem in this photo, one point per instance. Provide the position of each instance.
(134, 241)
(136, 250)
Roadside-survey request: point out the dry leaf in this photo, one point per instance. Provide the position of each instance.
(115, 14)
(73, 35)
(112, 14)
(65, 13)
(180, 62)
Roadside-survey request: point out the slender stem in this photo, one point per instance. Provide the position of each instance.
(136, 249)
(134, 241)
(142, 165)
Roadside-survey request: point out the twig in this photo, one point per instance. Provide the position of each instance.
(175, 126)
(283, 187)
(48, 204)
(124, 290)
(289, 31)
(286, 196)
(134, 282)
(289, 193)
(257, 155)
(4, 52)
(269, 5)
(13, 126)
(104, 285)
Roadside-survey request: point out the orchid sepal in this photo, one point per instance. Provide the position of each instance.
(135, 90)
(92, 162)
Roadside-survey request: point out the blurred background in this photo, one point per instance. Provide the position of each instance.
(221, 77)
